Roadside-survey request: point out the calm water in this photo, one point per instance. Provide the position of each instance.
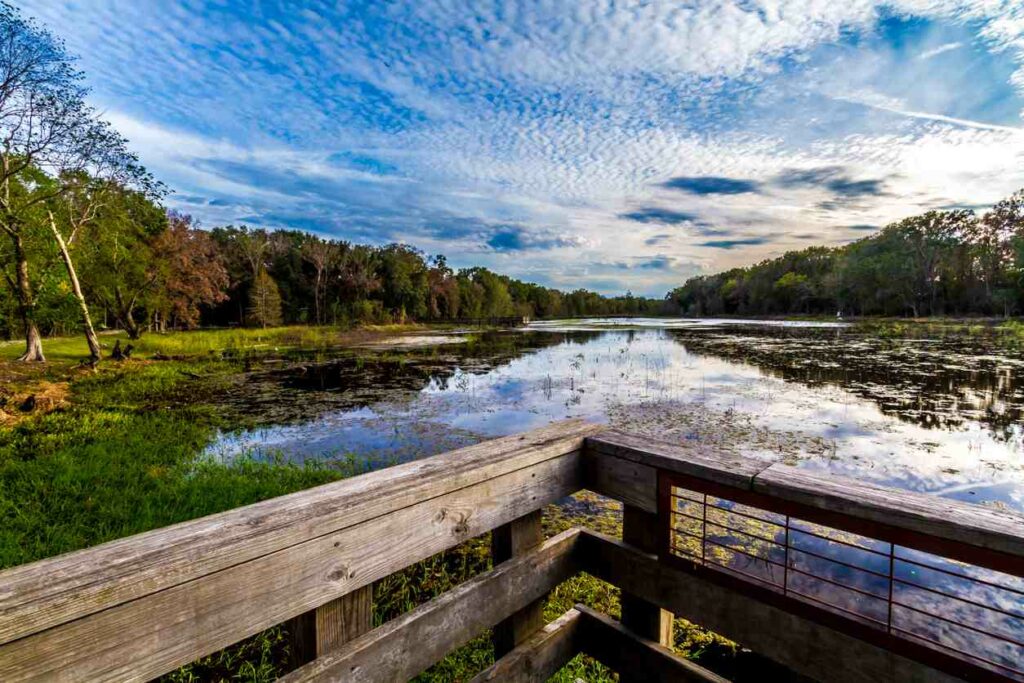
(936, 415)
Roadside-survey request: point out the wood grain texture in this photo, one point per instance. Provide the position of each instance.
(57, 590)
(632, 656)
(640, 530)
(343, 619)
(540, 656)
(407, 645)
(624, 480)
(953, 520)
(801, 644)
(507, 541)
(149, 636)
(698, 461)
(314, 633)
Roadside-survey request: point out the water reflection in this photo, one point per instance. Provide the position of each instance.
(940, 415)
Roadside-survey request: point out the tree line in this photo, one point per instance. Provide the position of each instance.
(937, 263)
(87, 243)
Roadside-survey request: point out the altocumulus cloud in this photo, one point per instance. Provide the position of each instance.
(486, 131)
(521, 239)
(712, 185)
(664, 216)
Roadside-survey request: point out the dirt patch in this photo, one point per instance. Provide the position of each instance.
(32, 399)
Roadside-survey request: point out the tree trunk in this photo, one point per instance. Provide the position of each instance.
(317, 297)
(33, 344)
(90, 334)
(125, 314)
(26, 305)
(132, 328)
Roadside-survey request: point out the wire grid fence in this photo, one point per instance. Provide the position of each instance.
(966, 611)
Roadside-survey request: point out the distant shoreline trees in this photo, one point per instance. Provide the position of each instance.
(937, 263)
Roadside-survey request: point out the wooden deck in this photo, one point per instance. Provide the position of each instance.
(139, 607)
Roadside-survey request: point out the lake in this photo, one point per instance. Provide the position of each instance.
(926, 413)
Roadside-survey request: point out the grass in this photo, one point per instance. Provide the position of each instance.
(119, 453)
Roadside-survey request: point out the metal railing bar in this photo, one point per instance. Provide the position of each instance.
(840, 562)
(746, 533)
(959, 624)
(732, 570)
(1015, 615)
(744, 514)
(985, 582)
(857, 615)
(755, 577)
(846, 543)
(726, 509)
(744, 552)
(943, 646)
(729, 528)
(674, 494)
(683, 514)
(840, 585)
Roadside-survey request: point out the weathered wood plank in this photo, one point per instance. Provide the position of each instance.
(953, 520)
(344, 619)
(624, 480)
(407, 645)
(154, 634)
(646, 619)
(621, 650)
(316, 632)
(695, 460)
(540, 656)
(515, 538)
(59, 589)
(801, 644)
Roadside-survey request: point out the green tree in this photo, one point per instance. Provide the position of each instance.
(264, 301)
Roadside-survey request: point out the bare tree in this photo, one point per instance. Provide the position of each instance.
(321, 254)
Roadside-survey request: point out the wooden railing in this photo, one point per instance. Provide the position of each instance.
(142, 606)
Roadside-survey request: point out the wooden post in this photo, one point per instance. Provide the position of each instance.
(508, 540)
(640, 530)
(317, 631)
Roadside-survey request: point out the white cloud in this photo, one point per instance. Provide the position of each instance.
(936, 51)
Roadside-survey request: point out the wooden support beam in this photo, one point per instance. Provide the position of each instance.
(797, 642)
(624, 480)
(621, 650)
(316, 632)
(644, 618)
(507, 541)
(540, 656)
(409, 644)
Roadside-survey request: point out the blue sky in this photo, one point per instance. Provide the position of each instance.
(611, 145)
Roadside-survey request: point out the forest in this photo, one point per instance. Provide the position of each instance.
(937, 263)
(88, 243)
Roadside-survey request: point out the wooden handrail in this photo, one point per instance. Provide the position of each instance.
(978, 526)
(139, 607)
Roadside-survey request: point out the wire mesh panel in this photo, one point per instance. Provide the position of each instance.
(919, 604)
